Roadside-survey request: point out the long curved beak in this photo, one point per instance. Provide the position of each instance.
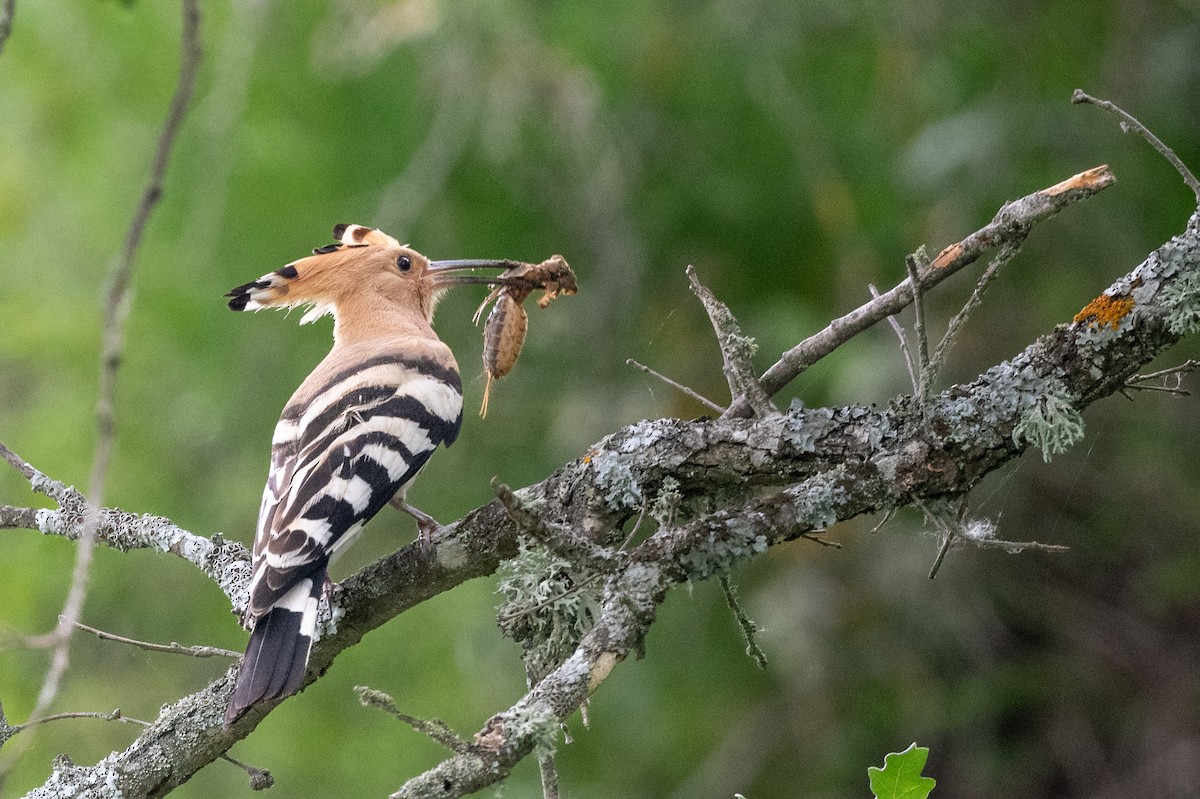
(447, 273)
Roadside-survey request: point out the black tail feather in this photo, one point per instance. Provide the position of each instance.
(276, 659)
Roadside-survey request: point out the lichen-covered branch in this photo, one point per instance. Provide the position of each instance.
(227, 563)
(630, 601)
(735, 488)
(737, 349)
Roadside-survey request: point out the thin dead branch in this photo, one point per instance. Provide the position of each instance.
(1007, 252)
(904, 348)
(435, 729)
(916, 265)
(171, 648)
(558, 538)
(748, 627)
(703, 400)
(1129, 123)
(1143, 382)
(14, 518)
(1010, 225)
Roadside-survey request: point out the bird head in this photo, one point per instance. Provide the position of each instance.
(362, 265)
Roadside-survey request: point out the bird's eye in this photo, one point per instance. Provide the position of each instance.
(404, 263)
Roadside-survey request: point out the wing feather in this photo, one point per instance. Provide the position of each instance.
(339, 455)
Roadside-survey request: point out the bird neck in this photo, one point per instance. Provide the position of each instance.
(375, 316)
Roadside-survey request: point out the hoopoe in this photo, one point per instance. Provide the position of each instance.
(353, 436)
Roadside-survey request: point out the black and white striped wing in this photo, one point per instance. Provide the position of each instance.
(339, 456)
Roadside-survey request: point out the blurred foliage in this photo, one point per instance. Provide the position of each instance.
(792, 151)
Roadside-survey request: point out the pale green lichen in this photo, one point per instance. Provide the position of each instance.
(1051, 423)
(548, 606)
(616, 481)
(101, 781)
(730, 540)
(536, 723)
(803, 427)
(1169, 281)
(1041, 406)
(1182, 300)
(666, 503)
(817, 499)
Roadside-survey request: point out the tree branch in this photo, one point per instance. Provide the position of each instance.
(833, 464)
(737, 350)
(170, 649)
(1010, 225)
(1128, 123)
(227, 563)
(8, 10)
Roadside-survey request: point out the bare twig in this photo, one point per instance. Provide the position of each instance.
(904, 349)
(435, 729)
(37, 481)
(888, 515)
(115, 312)
(947, 532)
(947, 540)
(18, 463)
(548, 769)
(1011, 224)
(546, 760)
(1139, 381)
(736, 351)
(937, 360)
(113, 716)
(917, 264)
(980, 532)
(825, 542)
(703, 400)
(1128, 123)
(7, 11)
(171, 648)
(637, 526)
(14, 518)
(260, 778)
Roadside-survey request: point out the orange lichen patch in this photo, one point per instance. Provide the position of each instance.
(1105, 310)
(947, 256)
(1092, 179)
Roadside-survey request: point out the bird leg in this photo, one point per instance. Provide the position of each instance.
(426, 524)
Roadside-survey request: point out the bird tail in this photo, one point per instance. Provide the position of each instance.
(277, 655)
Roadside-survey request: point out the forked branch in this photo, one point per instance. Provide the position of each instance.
(1010, 225)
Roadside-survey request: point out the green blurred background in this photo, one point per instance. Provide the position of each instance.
(794, 152)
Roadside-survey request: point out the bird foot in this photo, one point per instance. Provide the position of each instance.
(427, 526)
